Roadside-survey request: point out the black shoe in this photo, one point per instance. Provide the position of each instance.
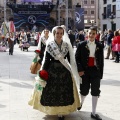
(116, 61)
(106, 58)
(61, 118)
(96, 117)
(79, 108)
(112, 59)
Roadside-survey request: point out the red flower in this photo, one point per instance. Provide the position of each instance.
(43, 74)
(37, 51)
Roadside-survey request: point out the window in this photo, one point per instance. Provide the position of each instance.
(70, 4)
(104, 13)
(113, 0)
(85, 21)
(104, 27)
(92, 1)
(85, 12)
(114, 9)
(105, 1)
(113, 26)
(92, 12)
(85, 1)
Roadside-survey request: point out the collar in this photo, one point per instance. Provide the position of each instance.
(91, 43)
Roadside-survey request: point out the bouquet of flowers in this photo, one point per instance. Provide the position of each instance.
(37, 51)
(41, 80)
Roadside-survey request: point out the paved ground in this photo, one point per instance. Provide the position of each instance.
(16, 84)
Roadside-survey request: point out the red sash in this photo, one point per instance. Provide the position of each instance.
(91, 61)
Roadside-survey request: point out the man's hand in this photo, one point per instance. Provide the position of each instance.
(81, 73)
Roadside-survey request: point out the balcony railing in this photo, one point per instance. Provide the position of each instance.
(104, 16)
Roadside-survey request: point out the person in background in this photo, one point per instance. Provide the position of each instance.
(80, 37)
(90, 62)
(29, 36)
(38, 37)
(102, 38)
(35, 38)
(97, 36)
(11, 39)
(110, 35)
(42, 43)
(116, 45)
(72, 37)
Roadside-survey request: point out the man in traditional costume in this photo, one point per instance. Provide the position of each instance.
(89, 59)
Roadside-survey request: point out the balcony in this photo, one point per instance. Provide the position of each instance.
(104, 16)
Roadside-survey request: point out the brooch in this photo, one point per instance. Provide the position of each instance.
(97, 48)
(87, 47)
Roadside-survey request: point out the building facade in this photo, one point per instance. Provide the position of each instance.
(64, 13)
(109, 14)
(91, 17)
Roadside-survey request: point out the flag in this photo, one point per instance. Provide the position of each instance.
(79, 18)
(11, 26)
(4, 29)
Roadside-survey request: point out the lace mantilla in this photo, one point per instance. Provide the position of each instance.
(43, 40)
(54, 50)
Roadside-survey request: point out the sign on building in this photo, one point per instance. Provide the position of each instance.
(36, 1)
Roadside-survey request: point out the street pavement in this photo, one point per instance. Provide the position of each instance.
(16, 84)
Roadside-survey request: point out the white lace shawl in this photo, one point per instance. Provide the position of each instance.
(54, 50)
(42, 40)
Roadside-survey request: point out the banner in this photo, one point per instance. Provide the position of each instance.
(79, 18)
(31, 18)
(35, 1)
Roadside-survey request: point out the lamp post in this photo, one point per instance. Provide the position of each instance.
(112, 16)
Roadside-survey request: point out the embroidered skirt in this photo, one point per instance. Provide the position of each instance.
(60, 94)
(59, 88)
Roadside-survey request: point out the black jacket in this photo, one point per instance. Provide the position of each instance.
(81, 37)
(109, 38)
(72, 38)
(82, 55)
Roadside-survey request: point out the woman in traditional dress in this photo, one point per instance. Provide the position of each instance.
(59, 96)
(42, 43)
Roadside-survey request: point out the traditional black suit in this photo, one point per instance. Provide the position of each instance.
(93, 74)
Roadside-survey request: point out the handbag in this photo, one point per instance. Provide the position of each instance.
(35, 66)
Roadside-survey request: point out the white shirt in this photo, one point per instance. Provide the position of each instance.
(12, 39)
(92, 47)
